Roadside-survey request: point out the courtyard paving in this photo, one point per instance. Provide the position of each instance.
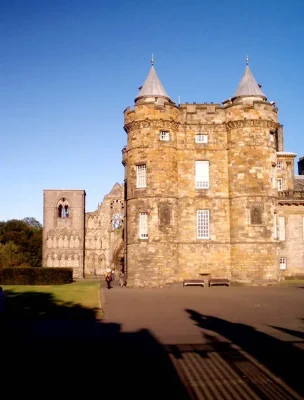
(224, 342)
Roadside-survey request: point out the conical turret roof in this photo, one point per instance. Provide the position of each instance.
(152, 86)
(248, 86)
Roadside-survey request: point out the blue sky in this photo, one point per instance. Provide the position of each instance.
(68, 69)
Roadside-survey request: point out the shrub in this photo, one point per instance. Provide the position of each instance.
(36, 276)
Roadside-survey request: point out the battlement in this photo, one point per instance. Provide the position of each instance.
(251, 103)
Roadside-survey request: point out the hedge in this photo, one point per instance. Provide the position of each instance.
(36, 276)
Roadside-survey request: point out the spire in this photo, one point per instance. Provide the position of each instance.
(152, 86)
(248, 85)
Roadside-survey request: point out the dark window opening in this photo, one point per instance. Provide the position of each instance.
(63, 208)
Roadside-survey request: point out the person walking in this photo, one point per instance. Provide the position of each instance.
(108, 280)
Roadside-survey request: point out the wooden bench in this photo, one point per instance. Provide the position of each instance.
(194, 282)
(219, 281)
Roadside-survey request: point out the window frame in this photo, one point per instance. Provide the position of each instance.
(143, 226)
(203, 228)
(279, 164)
(280, 185)
(284, 259)
(200, 180)
(141, 180)
(63, 208)
(164, 136)
(204, 136)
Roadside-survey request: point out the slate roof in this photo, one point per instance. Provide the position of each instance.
(248, 86)
(152, 86)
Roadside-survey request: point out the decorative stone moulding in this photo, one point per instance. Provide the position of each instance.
(248, 123)
(157, 123)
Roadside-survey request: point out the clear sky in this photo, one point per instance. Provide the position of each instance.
(68, 69)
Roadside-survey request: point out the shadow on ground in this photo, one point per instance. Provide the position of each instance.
(247, 351)
(50, 349)
(60, 349)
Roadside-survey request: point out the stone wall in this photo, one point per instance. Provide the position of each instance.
(241, 150)
(292, 248)
(286, 173)
(253, 199)
(63, 235)
(104, 234)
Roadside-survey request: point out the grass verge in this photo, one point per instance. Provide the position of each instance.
(49, 300)
(289, 282)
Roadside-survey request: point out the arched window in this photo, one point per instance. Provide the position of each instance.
(63, 208)
(116, 214)
(116, 221)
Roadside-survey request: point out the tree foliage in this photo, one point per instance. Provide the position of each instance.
(32, 222)
(20, 243)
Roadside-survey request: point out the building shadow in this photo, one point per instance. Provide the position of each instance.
(247, 351)
(297, 334)
(50, 349)
(62, 349)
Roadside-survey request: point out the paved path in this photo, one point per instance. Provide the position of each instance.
(230, 343)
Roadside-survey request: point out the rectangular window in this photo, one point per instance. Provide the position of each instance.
(275, 226)
(279, 164)
(282, 228)
(143, 226)
(280, 184)
(200, 138)
(141, 176)
(164, 135)
(283, 263)
(202, 224)
(202, 174)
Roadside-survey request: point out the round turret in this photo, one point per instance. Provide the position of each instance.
(150, 172)
(251, 125)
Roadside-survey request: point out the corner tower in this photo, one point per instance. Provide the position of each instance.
(251, 142)
(151, 178)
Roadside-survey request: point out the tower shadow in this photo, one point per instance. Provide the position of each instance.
(281, 358)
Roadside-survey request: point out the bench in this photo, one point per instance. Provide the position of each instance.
(219, 281)
(194, 282)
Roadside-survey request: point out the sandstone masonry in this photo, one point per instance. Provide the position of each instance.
(208, 189)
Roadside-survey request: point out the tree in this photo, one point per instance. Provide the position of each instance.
(33, 222)
(26, 235)
(10, 255)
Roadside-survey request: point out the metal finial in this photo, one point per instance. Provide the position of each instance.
(247, 59)
(152, 59)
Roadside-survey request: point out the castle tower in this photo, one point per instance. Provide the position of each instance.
(63, 229)
(150, 175)
(251, 142)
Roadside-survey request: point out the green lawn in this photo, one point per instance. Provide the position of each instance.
(76, 300)
(292, 282)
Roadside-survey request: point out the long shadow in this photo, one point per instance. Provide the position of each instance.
(50, 349)
(291, 332)
(281, 358)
